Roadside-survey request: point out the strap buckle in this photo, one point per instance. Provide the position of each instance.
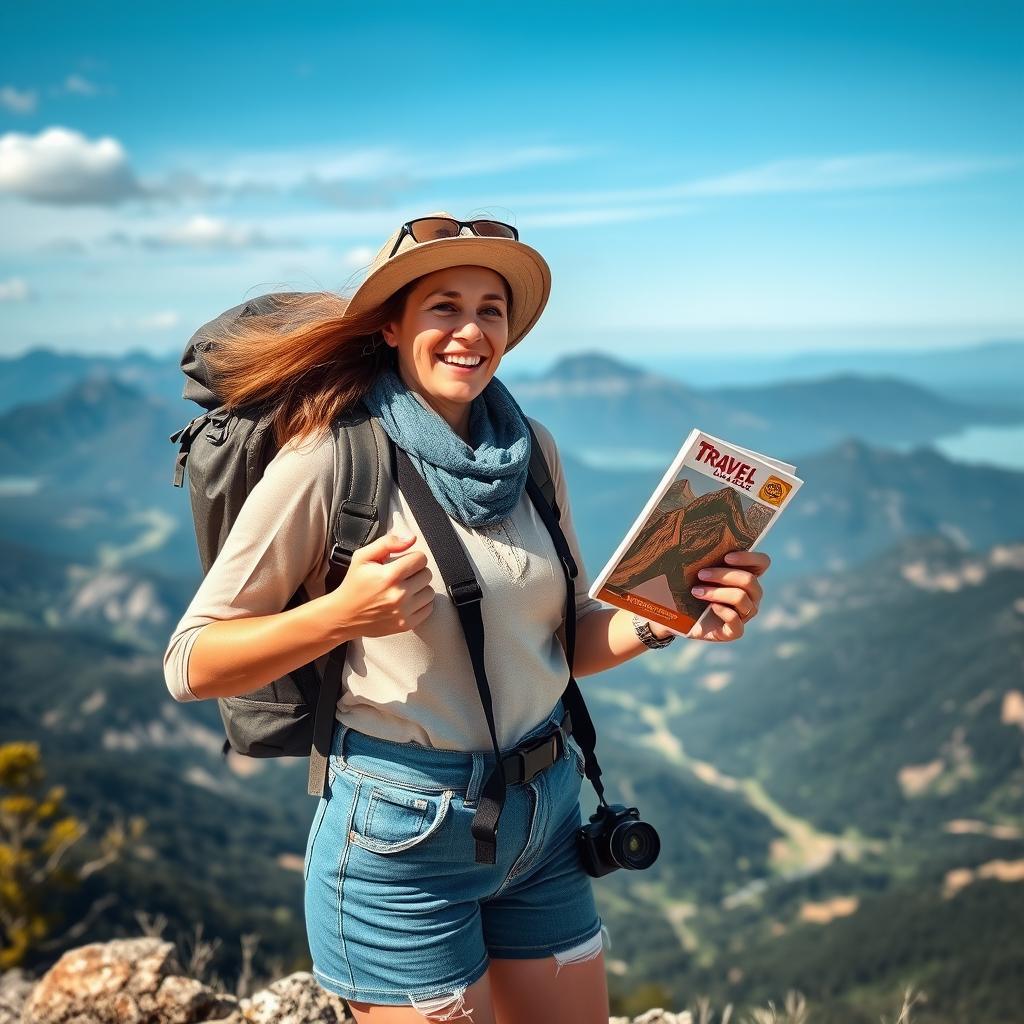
(341, 555)
(542, 756)
(465, 592)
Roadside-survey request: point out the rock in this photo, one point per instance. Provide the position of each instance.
(15, 986)
(139, 981)
(660, 1016)
(296, 999)
(126, 981)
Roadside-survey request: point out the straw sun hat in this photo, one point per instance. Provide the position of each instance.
(526, 271)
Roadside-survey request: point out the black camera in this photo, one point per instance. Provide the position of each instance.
(616, 838)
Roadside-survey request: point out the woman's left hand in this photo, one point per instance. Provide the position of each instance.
(734, 593)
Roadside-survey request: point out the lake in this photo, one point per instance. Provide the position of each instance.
(995, 446)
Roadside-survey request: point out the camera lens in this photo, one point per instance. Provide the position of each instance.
(634, 844)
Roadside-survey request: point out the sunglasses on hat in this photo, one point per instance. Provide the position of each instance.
(427, 229)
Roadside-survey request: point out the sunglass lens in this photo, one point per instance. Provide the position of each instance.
(494, 229)
(429, 228)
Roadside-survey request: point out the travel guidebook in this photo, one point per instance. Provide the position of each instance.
(715, 497)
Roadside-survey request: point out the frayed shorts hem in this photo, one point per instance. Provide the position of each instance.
(539, 952)
(394, 996)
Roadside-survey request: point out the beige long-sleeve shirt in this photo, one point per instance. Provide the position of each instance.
(417, 685)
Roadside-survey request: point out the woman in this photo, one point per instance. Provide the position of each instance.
(401, 919)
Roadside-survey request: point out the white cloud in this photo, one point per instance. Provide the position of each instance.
(81, 85)
(159, 321)
(204, 232)
(340, 182)
(209, 233)
(332, 228)
(799, 175)
(63, 167)
(14, 289)
(292, 168)
(496, 161)
(352, 178)
(16, 101)
(360, 256)
(76, 84)
(859, 171)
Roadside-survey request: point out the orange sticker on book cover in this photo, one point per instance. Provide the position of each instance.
(774, 491)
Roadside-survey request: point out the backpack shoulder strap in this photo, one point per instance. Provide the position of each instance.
(359, 507)
(541, 473)
(363, 485)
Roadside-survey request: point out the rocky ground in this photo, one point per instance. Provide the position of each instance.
(139, 981)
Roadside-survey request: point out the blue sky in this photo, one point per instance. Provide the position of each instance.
(761, 176)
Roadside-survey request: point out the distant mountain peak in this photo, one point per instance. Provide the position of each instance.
(101, 386)
(593, 365)
(851, 449)
(98, 390)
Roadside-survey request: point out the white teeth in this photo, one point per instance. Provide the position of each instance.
(463, 360)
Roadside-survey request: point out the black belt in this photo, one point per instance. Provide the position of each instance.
(527, 760)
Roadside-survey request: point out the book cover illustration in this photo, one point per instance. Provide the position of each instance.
(715, 497)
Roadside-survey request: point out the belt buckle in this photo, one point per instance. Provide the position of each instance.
(542, 756)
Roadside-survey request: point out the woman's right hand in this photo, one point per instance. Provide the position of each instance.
(378, 597)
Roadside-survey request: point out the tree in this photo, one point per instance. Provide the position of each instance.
(36, 839)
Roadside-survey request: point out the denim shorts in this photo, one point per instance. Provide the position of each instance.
(397, 910)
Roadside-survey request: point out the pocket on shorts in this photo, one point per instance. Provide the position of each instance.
(390, 818)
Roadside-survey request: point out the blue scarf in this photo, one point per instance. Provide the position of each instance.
(474, 485)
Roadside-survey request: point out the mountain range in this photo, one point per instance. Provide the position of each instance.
(593, 401)
(838, 794)
(824, 779)
(986, 371)
(88, 473)
(874, 718)
(42, 373)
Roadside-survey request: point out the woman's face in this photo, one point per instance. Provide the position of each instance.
(458, 310)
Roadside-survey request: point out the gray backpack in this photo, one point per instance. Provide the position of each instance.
(225, 455)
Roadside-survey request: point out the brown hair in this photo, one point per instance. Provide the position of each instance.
(307, 360)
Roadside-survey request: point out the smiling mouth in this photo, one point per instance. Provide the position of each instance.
(461, 366)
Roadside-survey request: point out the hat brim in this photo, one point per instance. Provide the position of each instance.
(524, 268)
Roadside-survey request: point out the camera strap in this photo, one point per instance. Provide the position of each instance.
(464, 590)
(582, 724)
